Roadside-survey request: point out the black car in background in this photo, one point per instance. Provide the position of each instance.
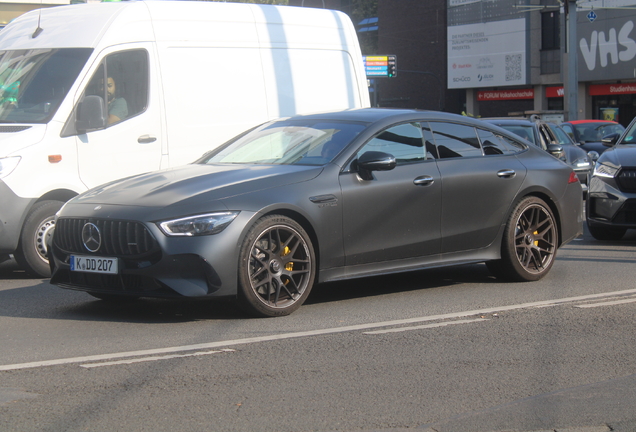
(321, 198)
(590, 133)
(554, 140)
(611, 203)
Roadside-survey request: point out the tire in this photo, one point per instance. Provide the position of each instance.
(529, 244)
(38, 227)
(277, 267)
(606, 233)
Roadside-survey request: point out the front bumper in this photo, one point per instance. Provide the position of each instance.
(13, 211)
(172, 267)
(608, 206)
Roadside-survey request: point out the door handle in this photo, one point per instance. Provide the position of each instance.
(423, 181)
(145, 139)
(506, 173)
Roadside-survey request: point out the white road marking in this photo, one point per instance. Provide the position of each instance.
(609, 303)
(245, 341)
(155, 358)
(425, 326)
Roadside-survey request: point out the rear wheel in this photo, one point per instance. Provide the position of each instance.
(606, 233)
(31, 254)
(276, 267)
(529, 243)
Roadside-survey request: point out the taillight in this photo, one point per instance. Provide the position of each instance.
(573, 177)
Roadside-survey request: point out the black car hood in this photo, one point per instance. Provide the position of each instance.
(195, 183)
(620, 155)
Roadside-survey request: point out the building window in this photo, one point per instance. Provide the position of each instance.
(550, 29)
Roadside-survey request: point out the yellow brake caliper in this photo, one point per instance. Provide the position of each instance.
(290, 265)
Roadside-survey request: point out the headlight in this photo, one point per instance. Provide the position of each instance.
(582, 163)
(199, 225)
(602, 170)
(8, 164)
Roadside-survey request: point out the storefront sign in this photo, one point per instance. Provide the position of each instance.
(607, 46)
(505, 95)
(612, 89)
(555, 91)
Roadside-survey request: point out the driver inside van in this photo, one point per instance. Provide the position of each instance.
(117, 106)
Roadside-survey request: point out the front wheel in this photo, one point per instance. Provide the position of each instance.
(529, 243)
(277, 267)
(38, 227)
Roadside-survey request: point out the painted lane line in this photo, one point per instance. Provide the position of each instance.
(425, 326)
(155, 358)
(609, 303)
(276, 337)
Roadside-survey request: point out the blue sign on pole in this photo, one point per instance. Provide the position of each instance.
(592, 16)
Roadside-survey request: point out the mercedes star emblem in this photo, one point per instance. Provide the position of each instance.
(91, 237)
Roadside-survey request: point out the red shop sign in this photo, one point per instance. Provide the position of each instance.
(505, 94)
(612, 89)
(556, 91)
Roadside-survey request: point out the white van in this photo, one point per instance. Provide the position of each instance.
(94, 92)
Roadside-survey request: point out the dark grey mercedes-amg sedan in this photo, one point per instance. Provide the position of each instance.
(318, 198)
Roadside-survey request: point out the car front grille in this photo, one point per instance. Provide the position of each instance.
(118, 238)
(627, 180)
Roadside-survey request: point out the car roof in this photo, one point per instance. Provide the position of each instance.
(590, 121)
(386, 115)
(509, 121)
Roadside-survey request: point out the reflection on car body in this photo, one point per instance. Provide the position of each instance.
(269, 214)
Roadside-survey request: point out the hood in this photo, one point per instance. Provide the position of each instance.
(620, 155)
(15, 137)
(195, 185)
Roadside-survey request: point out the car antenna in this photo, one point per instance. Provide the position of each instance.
(38, 30)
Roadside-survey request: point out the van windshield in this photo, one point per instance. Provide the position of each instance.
(33, 83)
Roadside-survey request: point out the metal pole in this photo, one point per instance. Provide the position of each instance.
(571, 84)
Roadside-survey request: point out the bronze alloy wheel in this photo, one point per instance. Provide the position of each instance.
(535, 238)
(277, 267)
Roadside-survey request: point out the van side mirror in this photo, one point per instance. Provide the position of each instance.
(91, 114)
(611, 139)
(374, 161)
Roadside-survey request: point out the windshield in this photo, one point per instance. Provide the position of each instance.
(289, 143)
(562, 136)
(594, 132)
(33, 83)
(630, 136)
(524, 132)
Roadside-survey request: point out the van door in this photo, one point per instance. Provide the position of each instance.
(129, 139)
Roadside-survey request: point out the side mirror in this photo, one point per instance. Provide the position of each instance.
(91, 114)
(593, 155)
(556, 150)
(374, 161)
(611, 139)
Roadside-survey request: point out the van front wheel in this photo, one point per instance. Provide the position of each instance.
(31, 254)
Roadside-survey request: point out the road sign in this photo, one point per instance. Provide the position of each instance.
(380, 66)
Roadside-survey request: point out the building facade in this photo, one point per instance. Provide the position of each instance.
(508, 57)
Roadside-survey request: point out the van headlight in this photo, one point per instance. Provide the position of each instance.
(8, 164)
(205, 224)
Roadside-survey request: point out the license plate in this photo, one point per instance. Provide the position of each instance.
(94, 264)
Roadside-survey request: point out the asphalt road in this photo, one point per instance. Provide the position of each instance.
(449, 349)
